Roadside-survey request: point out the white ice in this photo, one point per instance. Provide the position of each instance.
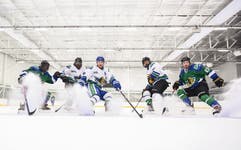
(118, 133)
(70, 131)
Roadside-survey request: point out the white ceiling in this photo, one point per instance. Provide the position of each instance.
(119, 44)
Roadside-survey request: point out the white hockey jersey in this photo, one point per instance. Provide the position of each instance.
(73, 72)
(99, 76)
(156, 72)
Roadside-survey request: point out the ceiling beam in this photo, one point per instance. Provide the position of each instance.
(131, 49)
(116, 26)
(26, 42)
(230, 10)
(21, 38)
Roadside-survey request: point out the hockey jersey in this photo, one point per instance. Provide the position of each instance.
(155, 73)
(73, 72)
(196, 73)
(44, 76)
(98, 76)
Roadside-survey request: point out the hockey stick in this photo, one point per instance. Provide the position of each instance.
(140, 115)
(26, 102)
(59, 108)
(137, 104)
(173, 92)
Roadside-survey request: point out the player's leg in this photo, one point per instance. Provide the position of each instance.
(157, 95)
(202, 91)
(146, 96)
(94, 92)
(107, 97)
(22, 100)
(184, 94)
(45, 104)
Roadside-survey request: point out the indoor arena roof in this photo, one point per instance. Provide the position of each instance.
(123, 31)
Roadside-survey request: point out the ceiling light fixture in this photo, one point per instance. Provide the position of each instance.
(223, 50)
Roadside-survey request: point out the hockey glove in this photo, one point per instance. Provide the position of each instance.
(102, 81)
(77, 77)
(82, 82)
(56, 75)
(150, 80)
(219, 82)
(20, 80)
(66, 79)
(147, 88)
(176, 85)
(116, 85)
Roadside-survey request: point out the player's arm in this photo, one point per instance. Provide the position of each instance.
(153, 74)
(21, 76)
(156, 73)
(24, 73)
(112, 80)
(48, 78)
(178, 83)
(58, 74)
(86, 76)
(147, 88)
(64, 75)
(213, 75)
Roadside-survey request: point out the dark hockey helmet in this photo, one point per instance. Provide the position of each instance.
(44, 63)
(145, 59)
(78, 60)
(44, 66)
(100, 58)
(185, 59)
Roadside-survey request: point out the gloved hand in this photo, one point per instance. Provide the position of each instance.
(219, 82)
(147, 88)
(77, 77)
(102, 81)
(20, 80)
(176, 85)
(56, 75)
(81, 82)
(150, 80)
(116, 85)
(66, 79)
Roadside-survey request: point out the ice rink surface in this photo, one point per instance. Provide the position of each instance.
(68, 131)
(123, 129)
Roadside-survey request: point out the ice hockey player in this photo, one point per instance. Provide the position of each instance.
(193, 77)
(70, 75)
(42, 72)
(157, 83)
(96, 77)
